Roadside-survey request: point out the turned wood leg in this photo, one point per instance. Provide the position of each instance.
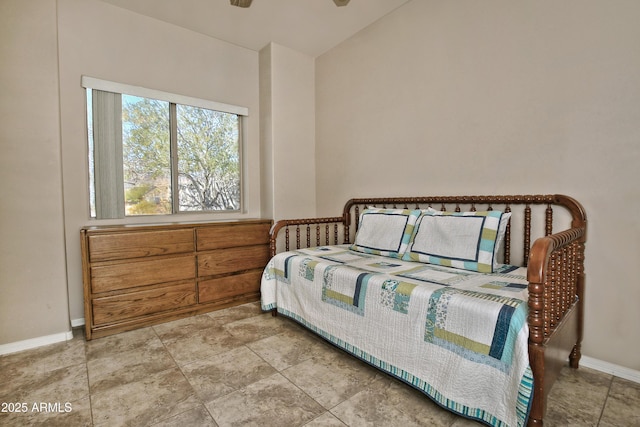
(574, 357)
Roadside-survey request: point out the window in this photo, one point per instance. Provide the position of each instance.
(153, 153)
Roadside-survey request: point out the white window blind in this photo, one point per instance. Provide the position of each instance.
(107, 86)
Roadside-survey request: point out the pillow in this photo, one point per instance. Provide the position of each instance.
(466, 240)
(385, 232)
(502, 229)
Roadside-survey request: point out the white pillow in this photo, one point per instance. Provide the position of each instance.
(385, 232)
(466, 240)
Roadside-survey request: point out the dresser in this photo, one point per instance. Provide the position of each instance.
(141, 275)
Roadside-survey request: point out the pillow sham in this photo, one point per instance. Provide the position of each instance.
(502, 229)
(465, 240)
(385, 232)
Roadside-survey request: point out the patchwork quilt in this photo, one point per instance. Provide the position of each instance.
(458, 336)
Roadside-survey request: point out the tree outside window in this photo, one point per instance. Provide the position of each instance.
(175, 158)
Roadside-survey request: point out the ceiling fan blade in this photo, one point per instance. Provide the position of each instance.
(247, 3)
(241, 3)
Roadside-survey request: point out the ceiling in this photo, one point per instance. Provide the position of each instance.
(308, 26)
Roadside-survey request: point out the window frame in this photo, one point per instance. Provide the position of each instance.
(91, 83)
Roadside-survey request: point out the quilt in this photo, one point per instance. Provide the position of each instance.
(458, 336)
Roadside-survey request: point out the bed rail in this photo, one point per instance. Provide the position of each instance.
(343, 228)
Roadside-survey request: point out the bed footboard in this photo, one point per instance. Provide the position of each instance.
(556, 310)
(314, 231)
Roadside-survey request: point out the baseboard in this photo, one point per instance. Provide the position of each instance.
(610, 368)
(77, 322)
(14, 347)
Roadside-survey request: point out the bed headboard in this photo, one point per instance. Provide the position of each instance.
(532, 216)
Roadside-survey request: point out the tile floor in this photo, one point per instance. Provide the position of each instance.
(241, 367)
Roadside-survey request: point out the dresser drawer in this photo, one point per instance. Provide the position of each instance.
(229, 286)
(114, 246)
(140, 303)
(226, 236)
(230, 260)
(123, 275)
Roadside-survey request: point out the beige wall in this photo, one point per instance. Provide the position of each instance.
(107, 42)
(48, 46)
(33, 290)
(287, 108)
(469, 97)
(437, 97)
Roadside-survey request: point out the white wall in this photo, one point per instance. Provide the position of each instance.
(33, 291)
(287, 108)
(111, 43)
(499, 97)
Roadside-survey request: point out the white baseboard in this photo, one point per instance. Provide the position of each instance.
(610, 368)
(77, 322)
(14, 347)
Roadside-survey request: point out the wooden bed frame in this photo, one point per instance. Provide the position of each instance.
(555, 266)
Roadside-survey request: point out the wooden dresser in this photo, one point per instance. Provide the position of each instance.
(136, 276)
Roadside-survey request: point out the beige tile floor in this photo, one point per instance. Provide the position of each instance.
(241, 367)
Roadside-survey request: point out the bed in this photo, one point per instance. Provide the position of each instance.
(477, 301)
